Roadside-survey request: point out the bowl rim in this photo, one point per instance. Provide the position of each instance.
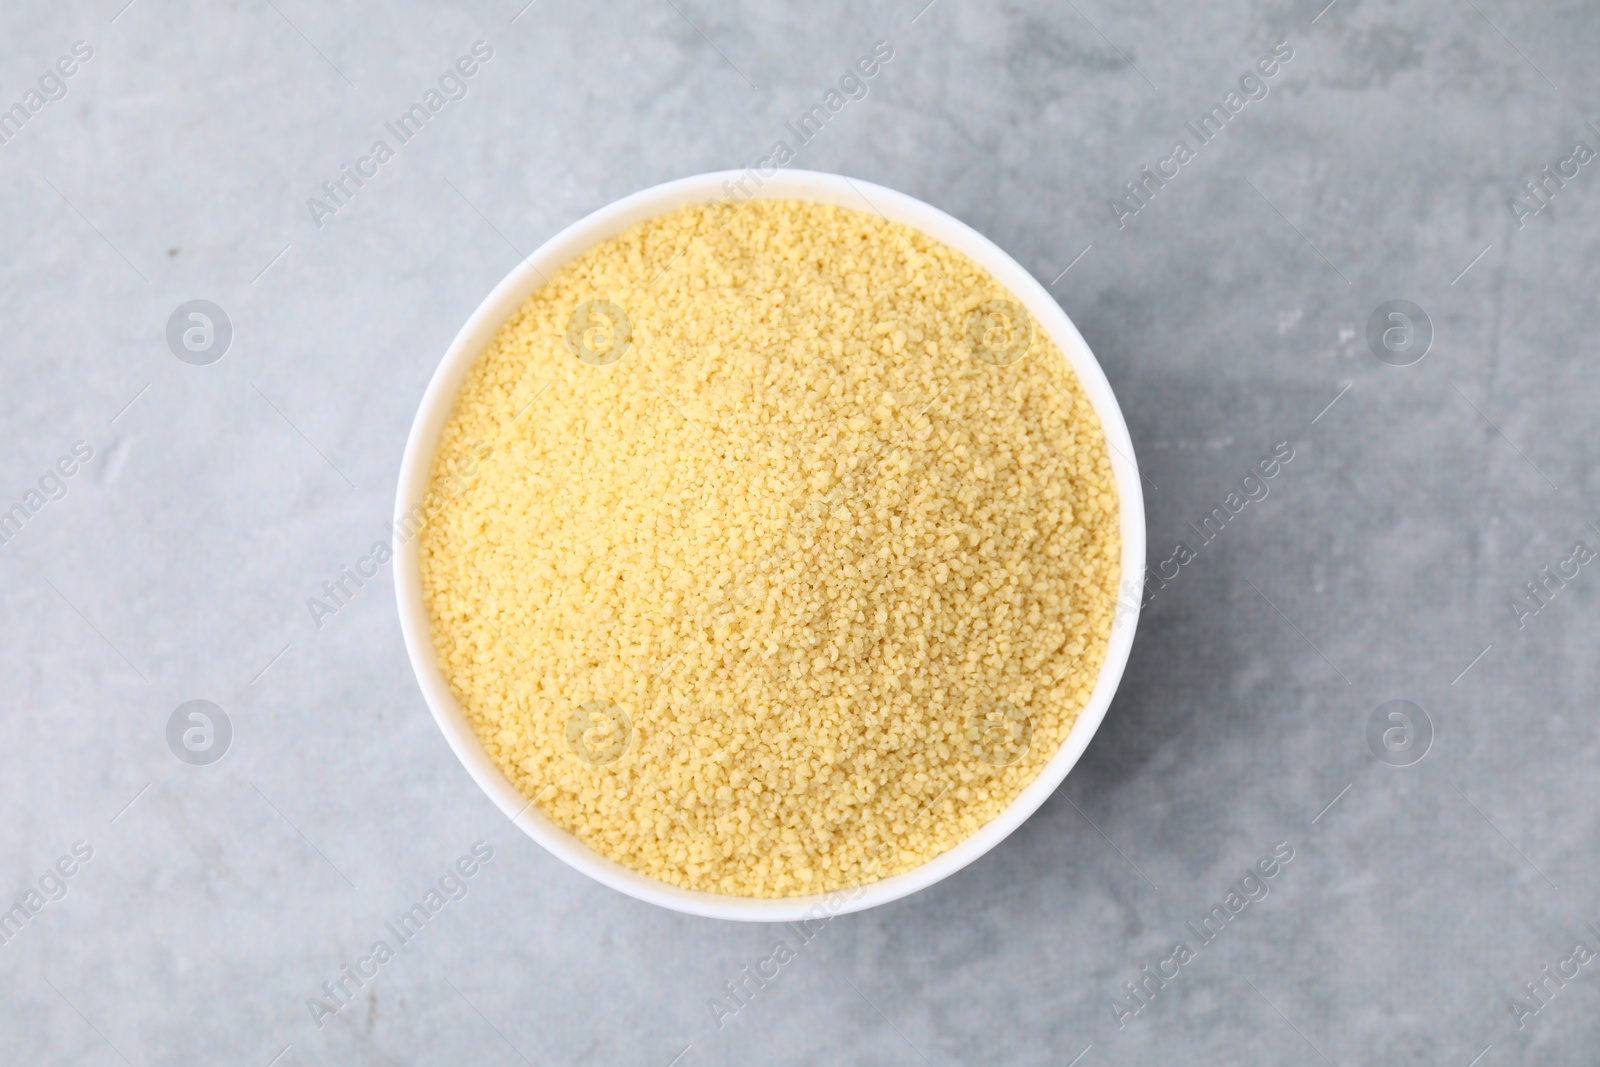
(532, 272)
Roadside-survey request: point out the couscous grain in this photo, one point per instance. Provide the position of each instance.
(789, 551)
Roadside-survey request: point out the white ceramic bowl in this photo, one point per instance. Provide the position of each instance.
(498, 306)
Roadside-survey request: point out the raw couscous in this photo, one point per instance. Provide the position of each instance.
(779, 548)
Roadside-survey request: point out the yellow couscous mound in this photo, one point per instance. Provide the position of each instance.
(777, 550)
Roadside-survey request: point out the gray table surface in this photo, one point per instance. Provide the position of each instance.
(1229, 312)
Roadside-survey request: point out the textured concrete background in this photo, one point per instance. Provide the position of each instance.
(1229, 312)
